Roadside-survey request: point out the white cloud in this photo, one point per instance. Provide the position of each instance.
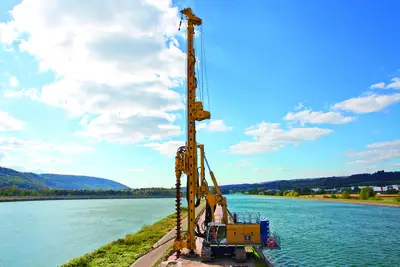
(390, 144)
(3, 155)
(37, 159)
(317, 117)
(395, 84)
(8, 34)
(396, 164)
(84, 120)
(269, 137)
(13, 81)
(9, 123)
(380, 85)
(380, 152)
(28, 146)
(214, 126)
(284, 169)
(262, 170)
(298, 106)
(367, 104)
(167, 148)
(132, 129)
(116, 61)
(314, 173)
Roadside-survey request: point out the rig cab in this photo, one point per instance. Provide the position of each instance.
(245, 229)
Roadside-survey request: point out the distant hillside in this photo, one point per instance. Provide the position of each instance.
(28, 180)
(380, 178)
(80, 182)
(10, 177)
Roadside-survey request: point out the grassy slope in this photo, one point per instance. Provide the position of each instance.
(124, 251)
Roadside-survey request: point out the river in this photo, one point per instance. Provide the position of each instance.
(313, 233)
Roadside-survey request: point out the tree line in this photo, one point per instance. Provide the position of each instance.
(141, 192)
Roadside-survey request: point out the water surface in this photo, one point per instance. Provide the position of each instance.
(49, 233)
(314, 233)
(317, 233)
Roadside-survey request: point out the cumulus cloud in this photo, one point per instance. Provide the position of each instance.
(395, 84)
(270, 137)
(167, 148)
(214, 126)
(390, 144)
(116, 62)
(8, 34)
(13, 81)
(32, 154)
(132, 129)
(317, 117)
(368, 103)
(9, 123)
(2, 156)
(29, 146)
(380, 85)
(378, 152)
(48, 161)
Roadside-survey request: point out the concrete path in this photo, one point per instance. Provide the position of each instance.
(153, 256)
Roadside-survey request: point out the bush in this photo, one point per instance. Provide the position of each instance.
(333, 196)
(346, 195)
(396, 199)
(375, 198)
(292, 194)
(366, 193)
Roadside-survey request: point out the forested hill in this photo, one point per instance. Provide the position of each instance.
(380, 178)
(28, 180)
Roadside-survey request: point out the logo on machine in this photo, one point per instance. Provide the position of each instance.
(247, 238)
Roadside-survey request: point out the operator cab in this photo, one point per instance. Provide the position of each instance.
(216, 233)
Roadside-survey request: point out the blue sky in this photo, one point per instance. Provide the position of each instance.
(297, 89)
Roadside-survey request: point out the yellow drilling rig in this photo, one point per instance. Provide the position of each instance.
(235, 231)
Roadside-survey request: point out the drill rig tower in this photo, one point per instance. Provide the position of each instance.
(186, 157)
(227, 236)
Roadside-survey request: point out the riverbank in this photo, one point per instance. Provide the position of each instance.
(385, 202)
(124, 251)
(39, 198)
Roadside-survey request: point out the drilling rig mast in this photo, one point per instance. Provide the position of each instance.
(233, 234)
(186, 158)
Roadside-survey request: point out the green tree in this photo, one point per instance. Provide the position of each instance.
(305, 191)
(346, 194)
(366, 193)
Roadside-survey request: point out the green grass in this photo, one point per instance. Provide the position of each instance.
(125, 251)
